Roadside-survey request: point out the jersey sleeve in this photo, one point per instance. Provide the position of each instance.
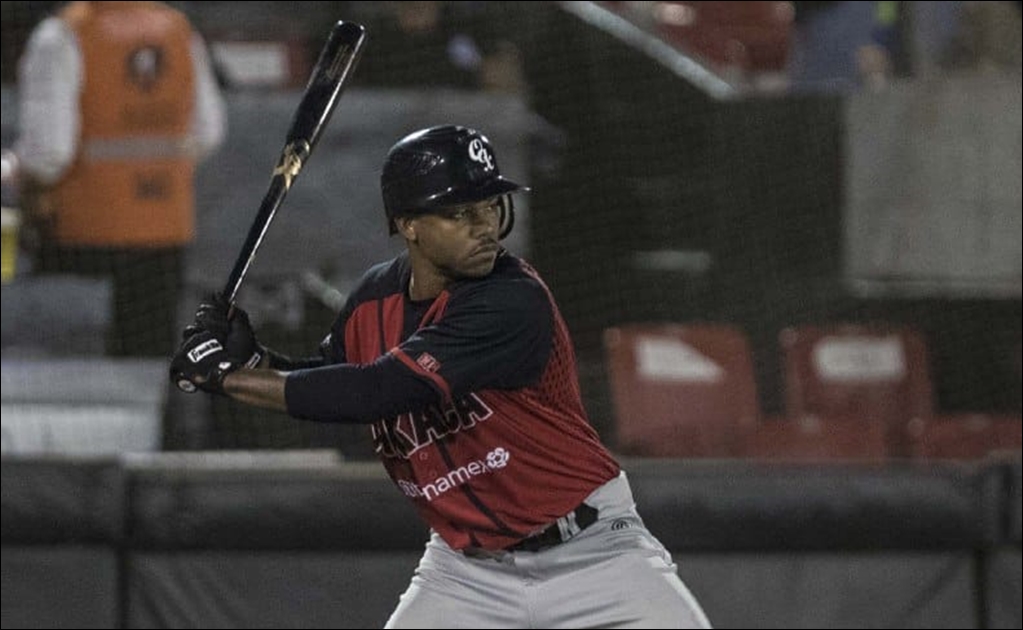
(493, 334)
(349, 393)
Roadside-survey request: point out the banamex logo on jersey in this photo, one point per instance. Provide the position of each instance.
(495, 460)
(498, 458)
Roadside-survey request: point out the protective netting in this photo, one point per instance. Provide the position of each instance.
(667, 187)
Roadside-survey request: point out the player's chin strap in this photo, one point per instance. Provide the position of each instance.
(507, 216)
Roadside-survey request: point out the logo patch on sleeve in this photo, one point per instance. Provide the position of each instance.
(427, 362)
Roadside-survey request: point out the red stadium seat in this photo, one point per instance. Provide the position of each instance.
(856, 373)
(681, 390)
(967, 436)
(812, 439)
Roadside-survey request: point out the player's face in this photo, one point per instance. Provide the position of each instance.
(461, 241)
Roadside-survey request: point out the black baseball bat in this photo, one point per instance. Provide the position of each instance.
(337, 60)
(330, 74)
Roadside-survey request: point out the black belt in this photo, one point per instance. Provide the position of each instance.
(575, 522)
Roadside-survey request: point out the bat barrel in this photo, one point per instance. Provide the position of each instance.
(338, 57)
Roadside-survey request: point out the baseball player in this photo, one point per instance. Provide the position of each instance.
(455, 355)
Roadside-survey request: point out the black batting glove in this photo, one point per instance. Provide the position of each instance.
(212, 316)
(202, 362)
(230, 324)
(242, 345)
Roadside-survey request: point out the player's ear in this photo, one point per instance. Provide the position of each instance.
(406, 227)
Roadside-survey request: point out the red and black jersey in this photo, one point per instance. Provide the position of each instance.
(479, 418)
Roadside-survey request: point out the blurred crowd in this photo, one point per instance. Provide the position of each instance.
(484, 45)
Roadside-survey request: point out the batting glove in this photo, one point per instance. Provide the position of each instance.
(202, 362)
(231, 325)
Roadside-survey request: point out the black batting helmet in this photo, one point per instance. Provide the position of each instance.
(443, 166)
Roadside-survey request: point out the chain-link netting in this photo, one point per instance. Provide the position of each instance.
(666, 187)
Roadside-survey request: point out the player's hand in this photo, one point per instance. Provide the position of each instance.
(230, 324)
(202, 362)
(242, 344)
(213, 315)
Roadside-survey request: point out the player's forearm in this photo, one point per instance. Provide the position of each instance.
(345, 393)
(357, 394)
(260, 388)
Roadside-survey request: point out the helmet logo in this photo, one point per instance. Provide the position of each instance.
(478, 153)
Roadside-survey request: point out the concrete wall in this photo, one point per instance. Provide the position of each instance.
(300, 540)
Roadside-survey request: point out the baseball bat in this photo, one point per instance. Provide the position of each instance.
(337, 60)
(330, 74)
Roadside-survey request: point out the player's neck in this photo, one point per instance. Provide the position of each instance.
(424, 286)
(426, 280)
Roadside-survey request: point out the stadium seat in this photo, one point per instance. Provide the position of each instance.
(813, 439)
(681, 390)
(858, 373)
(967, 436)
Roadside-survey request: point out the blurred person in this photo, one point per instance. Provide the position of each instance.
(117, 105)
(502, 69)
(462, 45)
(454, 353)
(846, 45)
(989, 40)
(420, 46)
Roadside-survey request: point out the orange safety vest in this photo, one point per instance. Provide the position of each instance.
(130, 184)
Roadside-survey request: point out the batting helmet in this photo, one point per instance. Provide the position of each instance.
(444, 166)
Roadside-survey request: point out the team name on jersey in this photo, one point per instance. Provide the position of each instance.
(409, 432)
